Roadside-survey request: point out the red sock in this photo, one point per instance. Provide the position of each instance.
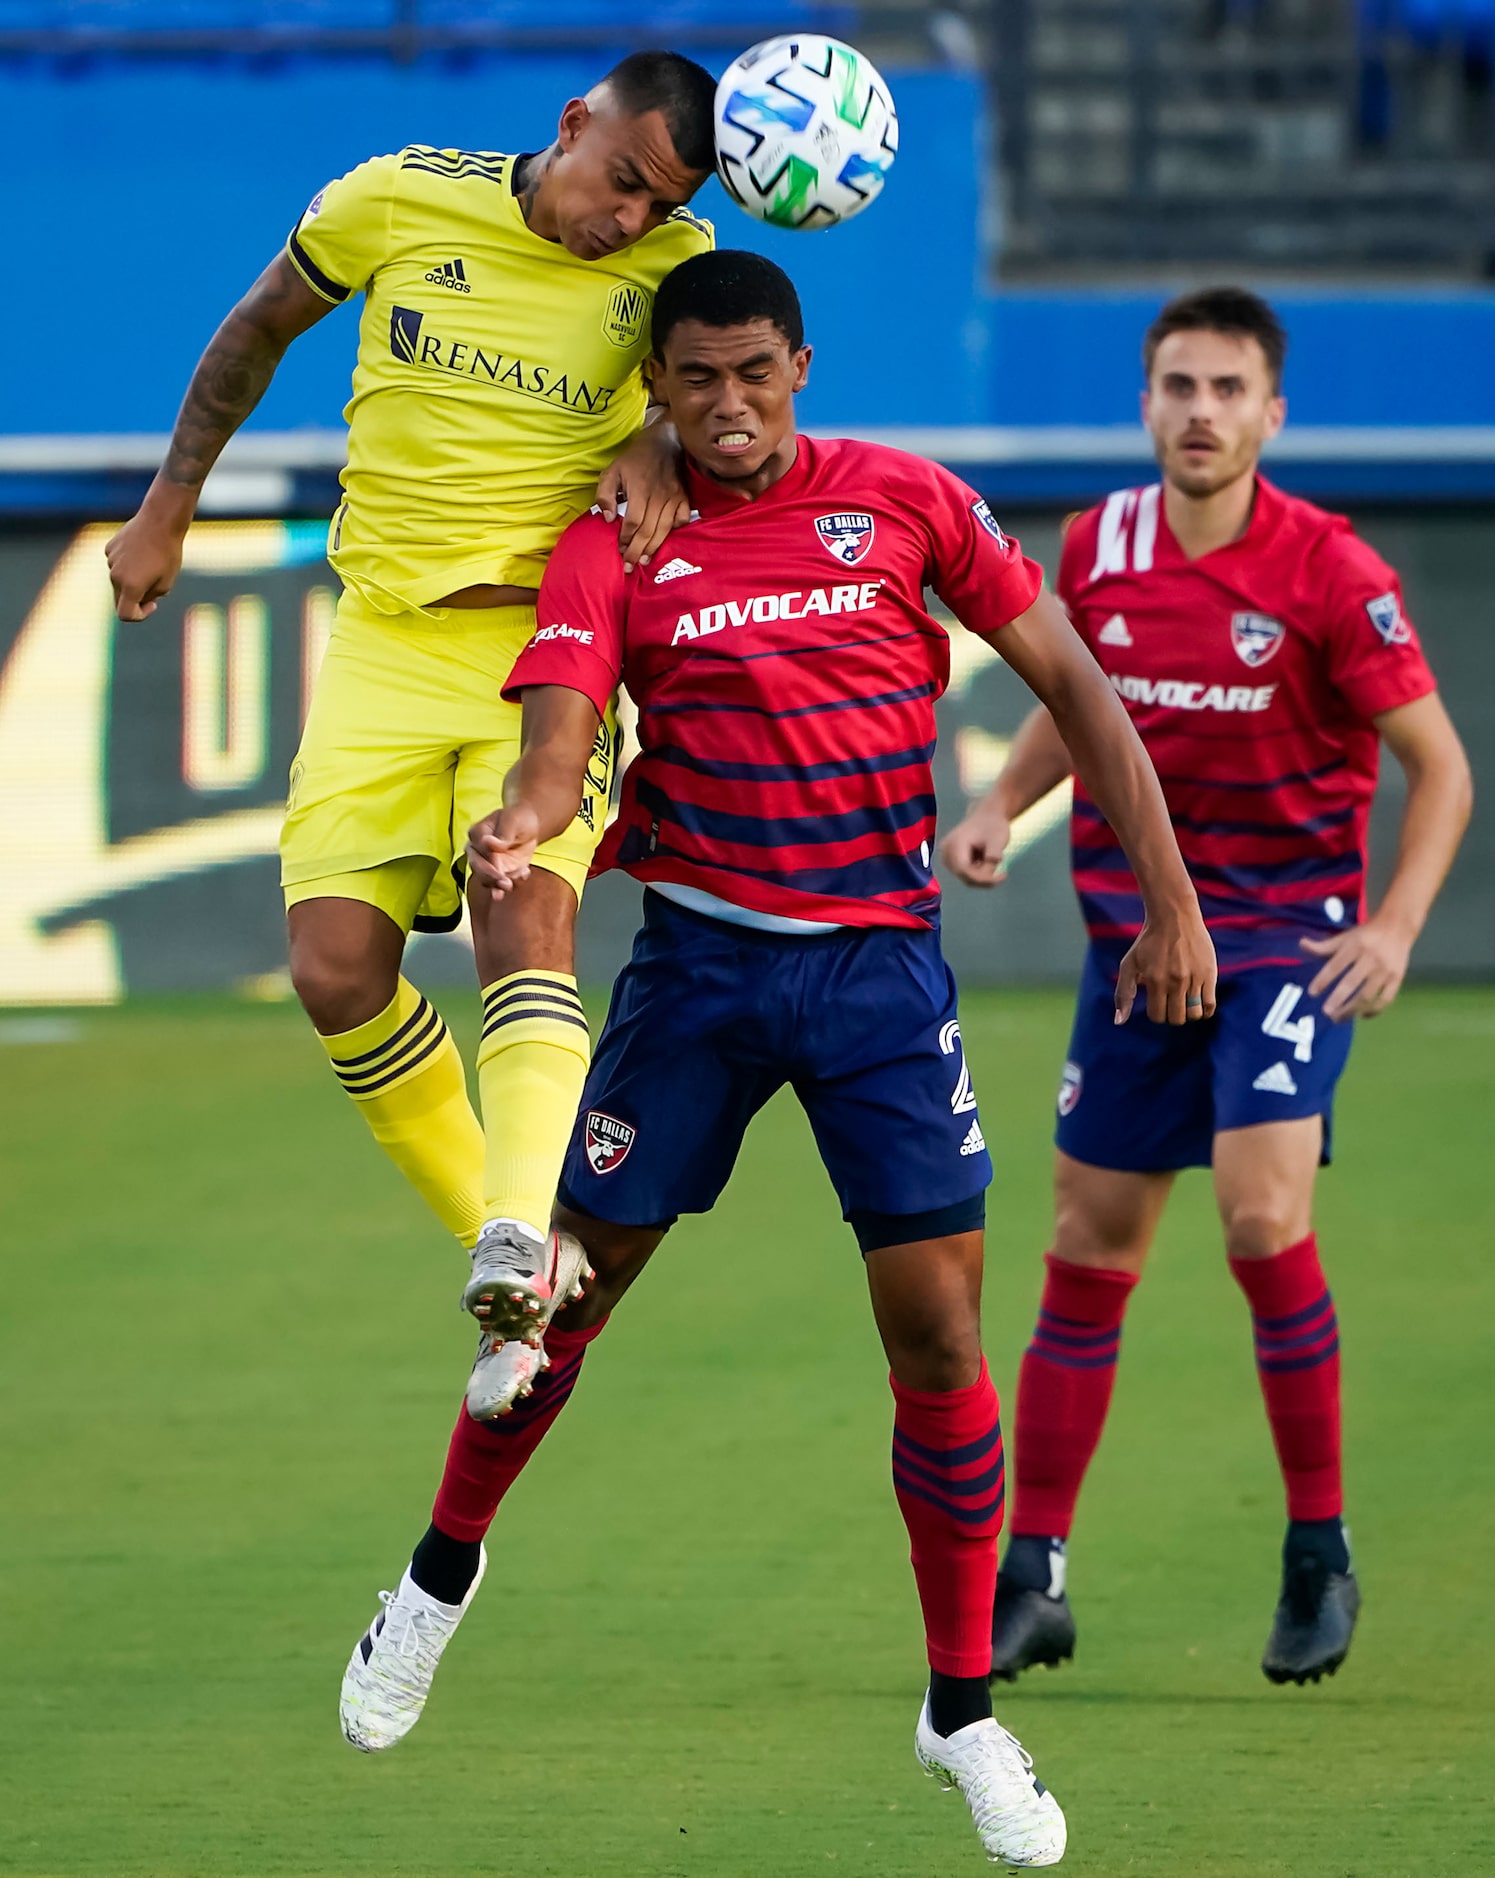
(1064, 1390)
(1297, 1359)
(486, 1458)
(949, 1479)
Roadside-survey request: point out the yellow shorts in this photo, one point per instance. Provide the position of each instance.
(406, 744)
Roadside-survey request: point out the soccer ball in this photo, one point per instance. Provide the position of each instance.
(806, 131)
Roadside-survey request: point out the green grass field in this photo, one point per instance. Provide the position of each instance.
(229, 1358)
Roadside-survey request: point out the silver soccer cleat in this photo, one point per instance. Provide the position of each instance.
(519, 1282)
(503, 1374)
(1017, 1819)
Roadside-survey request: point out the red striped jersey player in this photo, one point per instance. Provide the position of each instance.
(1264, 655)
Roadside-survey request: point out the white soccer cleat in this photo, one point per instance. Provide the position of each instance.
(519, 1282)
(1017, 1819)
(390, 1672)
(502, 1375)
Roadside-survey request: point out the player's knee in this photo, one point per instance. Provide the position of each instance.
(937, 1357)
(337, 992)
(1082, 1237)
(1258, 1229)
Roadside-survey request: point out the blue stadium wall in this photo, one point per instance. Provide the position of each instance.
(144, 196)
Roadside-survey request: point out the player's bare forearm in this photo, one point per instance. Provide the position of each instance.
(543, 790)
(1366, 965)
(231, 377)
(1174, 957)
(1037, 762)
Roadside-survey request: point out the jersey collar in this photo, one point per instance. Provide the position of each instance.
(1266, 512)
(708, 497)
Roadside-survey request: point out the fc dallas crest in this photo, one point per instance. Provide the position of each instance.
(1255, 637)
(608, 1142)
(848, 535)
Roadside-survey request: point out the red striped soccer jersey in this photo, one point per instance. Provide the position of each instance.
(1252, 676)
(785, 670)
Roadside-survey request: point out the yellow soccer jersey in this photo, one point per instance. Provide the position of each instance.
(497, 374)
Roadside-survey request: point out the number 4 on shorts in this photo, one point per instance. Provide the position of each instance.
(1279, 1022)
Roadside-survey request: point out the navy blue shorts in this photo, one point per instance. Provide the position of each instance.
(707, 1020)
(1148, 1097)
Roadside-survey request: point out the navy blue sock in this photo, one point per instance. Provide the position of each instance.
(1323, 1539)
(1031, 1564)
(443, 1567)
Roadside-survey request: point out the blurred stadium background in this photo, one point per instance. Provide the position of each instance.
(1065, 164)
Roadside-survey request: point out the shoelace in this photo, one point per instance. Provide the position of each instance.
(414, 1641)
(990, 1793)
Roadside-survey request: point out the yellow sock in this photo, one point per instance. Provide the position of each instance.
(532, 1063)
(403, 1071)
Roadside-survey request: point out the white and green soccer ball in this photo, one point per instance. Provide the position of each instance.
(806, 131)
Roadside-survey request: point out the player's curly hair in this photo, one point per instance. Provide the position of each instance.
(1233, 310)
(683, 93)
(727, 287)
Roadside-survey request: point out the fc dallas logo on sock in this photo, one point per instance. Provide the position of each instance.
(608, 1142)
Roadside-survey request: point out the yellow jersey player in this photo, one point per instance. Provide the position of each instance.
(506, 304)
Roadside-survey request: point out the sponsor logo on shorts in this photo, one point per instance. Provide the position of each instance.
(847, 535)
(581, 634)
(796, 604)
(975, 1141)
(1385, 613)
(1255, 637)
(1278, 1080)
(982, 512)
(1071, 1087)
(607, 1141)
(1177, 694)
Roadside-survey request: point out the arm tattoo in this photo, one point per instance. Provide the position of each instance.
(230, 380)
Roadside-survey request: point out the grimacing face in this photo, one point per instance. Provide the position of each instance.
(1210, 407)
(730, 392)
(613, 180)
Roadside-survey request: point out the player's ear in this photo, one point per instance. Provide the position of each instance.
(574, 120)
(802, 368)
(1276, 416)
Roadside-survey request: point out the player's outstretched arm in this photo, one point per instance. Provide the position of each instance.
(1173, 957)
(542, 792)
(146, 554)
(1037, 762)
(1367, 964)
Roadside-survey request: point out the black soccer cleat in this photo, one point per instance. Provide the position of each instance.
(1314, 1622)
(1027, 1628)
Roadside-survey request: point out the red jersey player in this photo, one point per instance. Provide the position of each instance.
(781, 813)
(1264, 656)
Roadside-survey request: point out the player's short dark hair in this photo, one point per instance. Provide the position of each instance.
(727, 287)
(1233, 310)
(683, 93)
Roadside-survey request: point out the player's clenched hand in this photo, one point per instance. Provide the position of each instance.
(500, 848)
(974, 849)
(645, 481)
(144, 559)
(1173, 962)
(1365, 965)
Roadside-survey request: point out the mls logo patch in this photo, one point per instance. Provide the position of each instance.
(848, 536)
(607, 1141)
(1386, 616)
(1255, 637)
(982, 512)
(1071, 1083)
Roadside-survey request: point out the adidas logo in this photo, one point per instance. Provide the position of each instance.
(1278, 1080)
(674, 570)
(450, 274)
(975, 1141)
(1114, 632)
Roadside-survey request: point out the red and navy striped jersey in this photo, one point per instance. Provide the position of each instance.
(785, 669)
(1252, 676)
